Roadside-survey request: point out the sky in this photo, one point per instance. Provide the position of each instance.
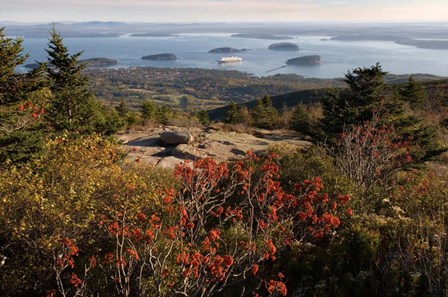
(223, 10)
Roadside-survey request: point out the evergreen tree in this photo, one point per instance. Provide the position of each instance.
(10, 57)
(368, 96)
(300, 120)
(22, 102)
(232, 114)
(163, 114)
(148, 110)
(264, 114)
(122, 108)
(73, 106)
(414, 93)
(109, 121)
(244, 115)
(203, 117)
(10, 54)
(365, 96)
(184, 102)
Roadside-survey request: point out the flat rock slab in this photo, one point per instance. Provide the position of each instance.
(220, 145)
(186, 151)
(169, 162)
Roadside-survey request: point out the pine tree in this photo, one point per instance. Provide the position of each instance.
(10, 57)
(264, 114)
(367, 96)
(122, 108)
(163, 114)
(73, 106)
(203, 117)
(148, 111)
(300, 120)
(232, 114)
(22, 100)
(364, 97)
(414, 93)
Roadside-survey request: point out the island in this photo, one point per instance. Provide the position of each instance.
(261, 36)
(152, 34)
(425, 44)
(365, 37)
(225, 50)
(161, 57)
(305, 60)
(284, 46)
(89, 63)
(99, 62)
(436, 44)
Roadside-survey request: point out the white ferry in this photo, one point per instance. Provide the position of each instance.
(230, 59)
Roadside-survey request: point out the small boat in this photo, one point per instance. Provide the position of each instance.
(230, 59)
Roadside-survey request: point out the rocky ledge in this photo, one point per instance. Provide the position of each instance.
(284, 46)
(151, 146)
(161, 57)
(305, 60)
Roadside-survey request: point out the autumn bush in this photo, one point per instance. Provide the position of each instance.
(58, 196)
(219, 228)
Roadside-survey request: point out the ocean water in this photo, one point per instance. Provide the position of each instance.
(338, 57)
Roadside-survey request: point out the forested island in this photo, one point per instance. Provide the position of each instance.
(225, 50)
(305, 60)
(89, 63)
(261, 36)
(439, 44)
(152, 34)
(284, 46)
(161, 57)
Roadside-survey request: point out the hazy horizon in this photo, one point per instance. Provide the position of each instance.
(182, 11)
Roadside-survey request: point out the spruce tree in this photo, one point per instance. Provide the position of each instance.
(364, 96)
(11, 56)
(367, 96)
(300, 120)
(414, 93)
(148, 110)
(264, 114)
(22, 102)
(122, 108)
(73, 106)
(232, 114)
(163, 114)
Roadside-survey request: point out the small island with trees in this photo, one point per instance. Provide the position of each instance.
(89, 63)
(284, 46)
(161, 57)
(305, 61)
(225, 50)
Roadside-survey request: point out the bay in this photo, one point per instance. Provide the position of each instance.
(191, 49)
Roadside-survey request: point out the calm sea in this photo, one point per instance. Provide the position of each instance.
(192, 51)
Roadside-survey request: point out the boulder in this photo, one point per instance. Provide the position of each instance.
(176, 137)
